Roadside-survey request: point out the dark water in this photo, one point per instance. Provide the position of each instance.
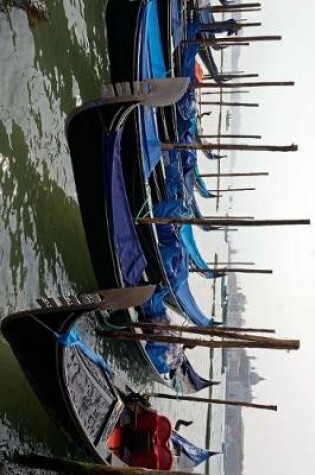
(46, 70)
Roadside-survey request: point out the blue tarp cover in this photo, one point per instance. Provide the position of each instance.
(189, 305)
(189, 243)
(189, 53)
(165, 356)
(72, 338)
(190, 455)
(193, 379)
(128, 248)
(177, 26)
(152, 64)
(173, 175)
(176, 265)
(151, 146)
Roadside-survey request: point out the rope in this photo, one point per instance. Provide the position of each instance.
(111, 325)
(141, 210)
(56, 335)
(179, 388)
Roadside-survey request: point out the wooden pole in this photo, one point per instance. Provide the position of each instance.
(225, 222)
(270, 344)
(229, 104)
(235, 71)
(249, 25)
(221, 263)
(231, 85)
(221, 146)
(238, 270)
(209, 26)
(223, 175)
(231, 42)
(232, 190)
(214, 401)
(251, 330)
(237, 39)
(226, 8)
(72, 467)
(227, 332)
(233, 76)
(250, 10)
(226, 217)
(213, 27)
(224, 92)
(229, 136)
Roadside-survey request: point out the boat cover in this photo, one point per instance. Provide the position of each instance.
(201, 186)
(192, 381)
(177, 25)
(151, 65)
(189, 243)
(190, 51)
(152, 62)
(165, 356)
(151, 146)
(173, 175)
(186, 106)
(176, 262)
(129, 251)
(190, 456)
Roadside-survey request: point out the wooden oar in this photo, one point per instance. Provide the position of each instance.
(269, 343)
(239, 39)
(222, 222)
(230, 85)
(229, 136)
(225, 175)
(229, 104)
(238, 270)
(214, 401)
(224, 146)
(228, 332)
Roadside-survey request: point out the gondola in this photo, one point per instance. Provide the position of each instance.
(146, 176)
(82, 397)
(108, 422)
(94, 133)
(107, 140)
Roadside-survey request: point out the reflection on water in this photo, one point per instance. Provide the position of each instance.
(46, 69)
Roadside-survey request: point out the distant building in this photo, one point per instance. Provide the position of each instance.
(241, 376)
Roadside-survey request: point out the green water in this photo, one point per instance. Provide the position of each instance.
(46, 71)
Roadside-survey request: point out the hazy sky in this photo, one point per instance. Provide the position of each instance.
(283, 442)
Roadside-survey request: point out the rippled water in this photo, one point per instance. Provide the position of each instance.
(46, 70)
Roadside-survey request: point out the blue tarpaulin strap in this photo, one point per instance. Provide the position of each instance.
(72, 338)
